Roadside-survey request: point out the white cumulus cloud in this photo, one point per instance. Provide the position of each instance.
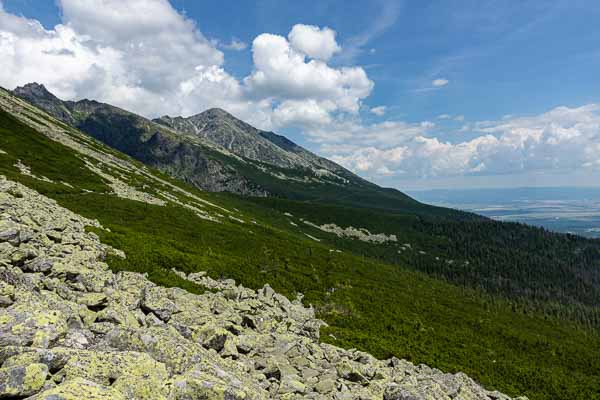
(282, 72)
(561, 140)
(302, 113)
(140, 55)
(235, 45)
(315, 42)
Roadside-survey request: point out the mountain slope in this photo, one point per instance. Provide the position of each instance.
(95, 334)
(545, 270)
(369, 304)
(215, 151)
(182, 156)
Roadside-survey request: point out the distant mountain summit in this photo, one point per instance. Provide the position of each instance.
(223, 129)
(38, 94)
(216, 151)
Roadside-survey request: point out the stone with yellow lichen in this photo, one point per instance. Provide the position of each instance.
(155, 300)
(136, 375)
(31, 324)
(212, 337)
(7, 294)
(22, 380)
(164, 343)
(79, 389)
(199, 385)
(55, 358)
(92, 300)
(118, 314)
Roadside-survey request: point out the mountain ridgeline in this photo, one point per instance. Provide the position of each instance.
(217, 152)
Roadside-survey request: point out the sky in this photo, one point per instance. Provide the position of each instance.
(410, 94)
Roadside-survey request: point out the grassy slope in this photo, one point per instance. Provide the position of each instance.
(378, 307)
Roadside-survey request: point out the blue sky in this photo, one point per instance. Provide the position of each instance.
(503, 69)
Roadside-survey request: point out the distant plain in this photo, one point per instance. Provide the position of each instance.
(561, 209)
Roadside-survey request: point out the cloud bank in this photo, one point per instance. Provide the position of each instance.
(563, 139)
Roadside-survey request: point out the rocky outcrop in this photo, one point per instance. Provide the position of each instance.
(361, 234)
(72, 329)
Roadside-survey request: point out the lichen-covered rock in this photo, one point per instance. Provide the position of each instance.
(31, 324)
(7, 294)
(23, 380)
(154, 300)
(93, 300)
(197, 384)
(72, 329)
(136, 375)
(78, 389)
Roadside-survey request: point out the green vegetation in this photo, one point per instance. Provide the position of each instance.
(555, 274)
(370, 301)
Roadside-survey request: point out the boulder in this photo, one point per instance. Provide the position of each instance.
(31, 324)
(23, 380)
(78, 389)
(154, 300)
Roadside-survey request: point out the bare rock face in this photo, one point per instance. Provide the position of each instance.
(36, 93)
(72, 329)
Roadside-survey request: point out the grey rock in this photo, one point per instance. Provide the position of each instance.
(22, 381)
(155, 301)
(39, 264)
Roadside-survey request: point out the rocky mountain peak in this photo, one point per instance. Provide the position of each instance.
(216, 118)
(223, 129)
(37, 94)
(215, 113)
(36, 90)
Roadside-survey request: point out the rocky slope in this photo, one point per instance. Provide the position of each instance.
(72, 329)
(215, 151)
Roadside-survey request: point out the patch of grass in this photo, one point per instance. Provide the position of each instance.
(45, 158)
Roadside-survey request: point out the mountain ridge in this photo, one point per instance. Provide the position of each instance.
(215, 151)
(226, 130)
